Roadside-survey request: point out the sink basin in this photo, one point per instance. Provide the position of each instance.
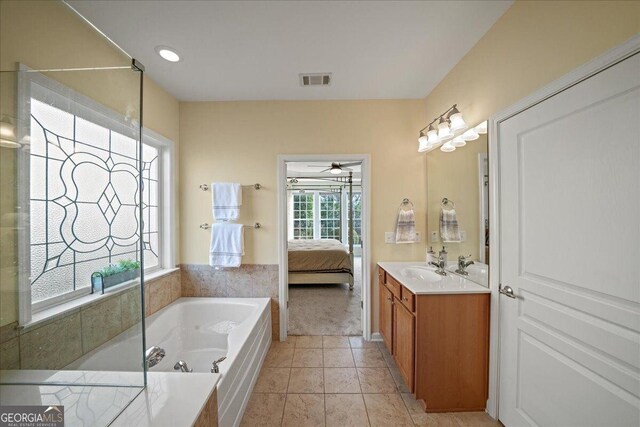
(421, 273)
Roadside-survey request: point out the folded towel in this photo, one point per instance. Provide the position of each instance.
(227, 199)
(449, 232)
(227, 245)
(406, 227)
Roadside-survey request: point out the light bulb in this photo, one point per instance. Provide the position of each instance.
(470, 135)
(481, 128)
(444, 133)
(457, 122)
(447, 148)
(458, 142)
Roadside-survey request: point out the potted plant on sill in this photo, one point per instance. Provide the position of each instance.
(111, 275)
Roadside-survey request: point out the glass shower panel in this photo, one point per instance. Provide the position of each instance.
(72, 240)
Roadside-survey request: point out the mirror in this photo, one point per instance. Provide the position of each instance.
(462, 178)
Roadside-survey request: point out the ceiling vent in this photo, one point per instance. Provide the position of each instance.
(315, 79)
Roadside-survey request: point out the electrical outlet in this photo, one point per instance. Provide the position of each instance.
(389, 237)
(463, 236)
(434, 237)
(418, 236)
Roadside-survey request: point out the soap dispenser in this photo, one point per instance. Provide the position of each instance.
(442, 256)
(431, 256)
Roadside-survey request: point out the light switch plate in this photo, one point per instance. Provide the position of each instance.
(463, 236)
(389, 237)
(434, 237)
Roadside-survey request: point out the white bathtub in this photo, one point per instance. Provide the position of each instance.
(198, 331)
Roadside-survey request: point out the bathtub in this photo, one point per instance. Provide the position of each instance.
(199, 331)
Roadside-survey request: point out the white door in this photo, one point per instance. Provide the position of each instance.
(570, 250)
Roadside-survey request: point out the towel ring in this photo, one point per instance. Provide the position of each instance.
(447, 202)
(405, 202)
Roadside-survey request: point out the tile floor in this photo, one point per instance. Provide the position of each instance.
(339, 381)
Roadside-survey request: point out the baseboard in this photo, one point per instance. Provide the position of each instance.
(376, 336)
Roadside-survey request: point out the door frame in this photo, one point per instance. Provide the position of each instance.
(583, 72)
(283, 261)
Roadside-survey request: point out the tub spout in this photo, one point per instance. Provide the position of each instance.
(181, 365)
(215, 369)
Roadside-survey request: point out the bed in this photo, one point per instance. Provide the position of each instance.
(319, 261)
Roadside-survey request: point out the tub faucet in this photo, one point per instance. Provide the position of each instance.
(215, 369)
(463, 264)
(181, 365)
(439, 266)
(153, 356)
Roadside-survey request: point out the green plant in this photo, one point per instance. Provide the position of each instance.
(122, 266)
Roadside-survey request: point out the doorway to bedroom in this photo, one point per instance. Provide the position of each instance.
(323, 219)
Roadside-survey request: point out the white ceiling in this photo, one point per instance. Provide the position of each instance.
(254, 50)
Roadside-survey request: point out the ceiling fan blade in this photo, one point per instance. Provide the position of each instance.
(317, 166)
(324, 170)
(346, 169)
(350, 164)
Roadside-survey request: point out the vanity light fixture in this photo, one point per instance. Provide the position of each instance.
(470, 135)
(458, 142)
(481, 128)
(444, 132)
(456, 120)
(448, 147)
(441, 129)
(168, 53)
(432, 135)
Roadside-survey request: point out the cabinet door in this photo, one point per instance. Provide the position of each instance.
(386, 316)
(404, 331)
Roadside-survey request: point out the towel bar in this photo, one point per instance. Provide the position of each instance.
(205, 187)
(206, 226)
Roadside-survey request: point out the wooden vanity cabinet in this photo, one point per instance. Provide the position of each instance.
(440, 343)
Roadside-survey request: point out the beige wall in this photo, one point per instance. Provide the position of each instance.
(455, 176)
(532, 44)
(48, 35)
(240, 141)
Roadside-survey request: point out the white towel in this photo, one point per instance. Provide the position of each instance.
(406, 227)
(449, 232)
(227, 245)
(227, 199)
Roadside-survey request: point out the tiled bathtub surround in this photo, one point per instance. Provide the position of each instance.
(58, 341)
(249, 281)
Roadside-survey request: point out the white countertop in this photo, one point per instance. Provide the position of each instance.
(449, 284)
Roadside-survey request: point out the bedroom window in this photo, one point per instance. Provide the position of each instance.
(303, 216)
(330, 216)
(82, 188)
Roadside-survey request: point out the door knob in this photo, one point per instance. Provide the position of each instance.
(507, 291)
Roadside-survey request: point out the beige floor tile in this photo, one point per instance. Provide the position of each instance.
(272, 380)
(264, 409)
(397, 377)
(368, 358)
(435, 420)
(338, 358)
(335, 341)
(344, 410)
(305, 341)
(376, 380)
(359, 342)
(307, 358)
(341, 380)
(279, 357)
(475, 419)
(306, 380)
(413, 406)
(301, 410)
(290, 342)
(387, 410)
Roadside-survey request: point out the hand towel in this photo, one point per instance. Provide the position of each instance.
(227, 199)
(449, 232)
(406, 227)
(227, 245)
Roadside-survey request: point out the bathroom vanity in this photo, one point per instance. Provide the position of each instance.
(437, 329)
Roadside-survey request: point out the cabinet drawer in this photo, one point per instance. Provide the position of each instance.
(394, 286)
(408, 299)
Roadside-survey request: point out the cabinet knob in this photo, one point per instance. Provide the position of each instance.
(405, 299)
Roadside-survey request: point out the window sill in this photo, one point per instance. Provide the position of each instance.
(60, 310)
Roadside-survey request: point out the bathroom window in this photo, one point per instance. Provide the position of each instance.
(330, 216)
(83, 192)
(303, 216)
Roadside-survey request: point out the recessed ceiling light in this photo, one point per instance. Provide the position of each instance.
(168, 53)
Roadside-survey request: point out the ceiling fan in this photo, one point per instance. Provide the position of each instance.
(336, 168)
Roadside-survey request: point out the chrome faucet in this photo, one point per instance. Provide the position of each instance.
(181, 365)
(215, 369)
(153, 356)
(463, 264)
(440, 265)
